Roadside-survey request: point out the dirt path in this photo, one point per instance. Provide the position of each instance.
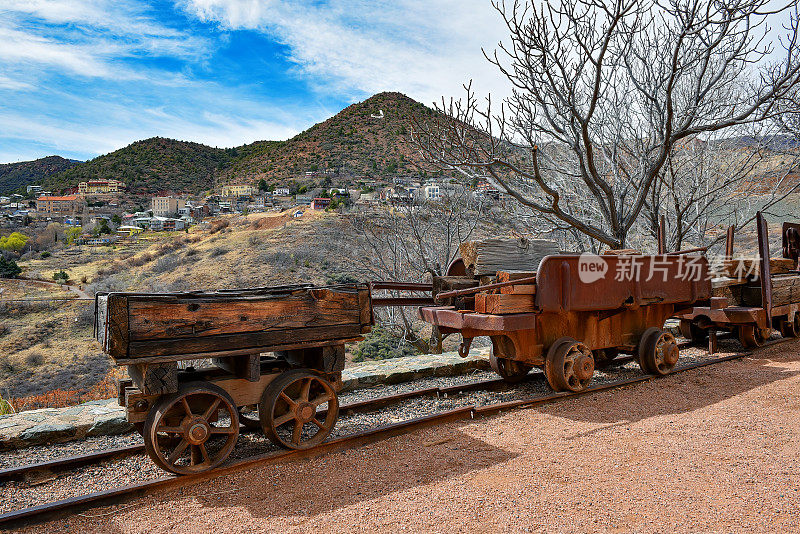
(710, 450)
(81, 294)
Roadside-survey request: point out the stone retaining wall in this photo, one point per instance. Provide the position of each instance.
(106, 417)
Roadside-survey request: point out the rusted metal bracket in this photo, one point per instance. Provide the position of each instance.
(463, 348)
(765, 276)
(472, 290)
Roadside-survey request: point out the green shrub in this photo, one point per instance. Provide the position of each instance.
(61, 276)
(45, 255)
(8, 268)
(380, 344)
(5, 407)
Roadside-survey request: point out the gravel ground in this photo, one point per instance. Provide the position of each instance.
(44, 453)
(113, 473)
(712, 450)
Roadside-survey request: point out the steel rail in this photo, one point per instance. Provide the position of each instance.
(42, 512)
(80, 460)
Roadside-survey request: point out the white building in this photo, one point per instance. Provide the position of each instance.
(433, 192)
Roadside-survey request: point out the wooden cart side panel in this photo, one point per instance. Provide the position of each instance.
(117, 326)
(158, 320)
(221, 343)
(366, 316)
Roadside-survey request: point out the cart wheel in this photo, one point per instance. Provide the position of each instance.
(569, 365)
(193, 430)
(604, 357)
(791, 328)
(510, 370)
(288, 409)
(752, 336)
(658, 352)
(248, 416)
(691, 331)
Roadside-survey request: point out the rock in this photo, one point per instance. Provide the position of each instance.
(115, 424)
(47, 432)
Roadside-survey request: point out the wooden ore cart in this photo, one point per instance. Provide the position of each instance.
(754, 297)
(277, 355)
(567, 317)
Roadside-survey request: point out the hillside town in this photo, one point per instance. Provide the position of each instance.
(104, 202)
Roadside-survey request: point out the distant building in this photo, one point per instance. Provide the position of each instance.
(433, 192)
(34, 189)
(304, 199)
(238, 190)
(166, 206)
(281, 192)
(99, 187)
(58, 206)
(158, 224)
(320, 203)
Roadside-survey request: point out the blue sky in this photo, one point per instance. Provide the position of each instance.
(81, 78)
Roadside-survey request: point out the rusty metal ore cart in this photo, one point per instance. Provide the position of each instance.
(552, 319)
(757, 296)
(277, 358)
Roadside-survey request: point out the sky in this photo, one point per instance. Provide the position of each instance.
(80, 78)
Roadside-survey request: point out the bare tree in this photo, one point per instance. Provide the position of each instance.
(601, 93)
(413, 242)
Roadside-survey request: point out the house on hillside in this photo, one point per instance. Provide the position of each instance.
(238, 190)
(166, 206)
(320, 203)
(63, 206)
(100, 187)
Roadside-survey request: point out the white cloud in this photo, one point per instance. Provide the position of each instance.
(423, 48)
(85, 37)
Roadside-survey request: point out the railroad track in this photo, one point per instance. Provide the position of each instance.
(45, 511)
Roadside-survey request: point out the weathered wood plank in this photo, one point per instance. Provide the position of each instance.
(738, 268)
(155, 378)
(508, 276)
(519, 289)
(502, 304)
(188, 317)
(488, 256)
(262, 340)
(785, 290)
(118, 327)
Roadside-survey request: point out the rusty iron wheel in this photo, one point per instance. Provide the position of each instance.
(290, 409)
(752, 336)
(691, 331)
(512, 371)
(658, 351)
(790, 328)
(248, 416)
(192, 431)
(569, 365)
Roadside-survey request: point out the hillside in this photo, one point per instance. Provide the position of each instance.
(354, 141)
(369, 139)
(152, 165)
(15, 176)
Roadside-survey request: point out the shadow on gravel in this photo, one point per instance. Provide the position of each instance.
(339, 480)
(680, 393)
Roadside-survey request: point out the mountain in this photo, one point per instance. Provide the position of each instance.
(153, 164)
(15, 176)
(369, 138)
